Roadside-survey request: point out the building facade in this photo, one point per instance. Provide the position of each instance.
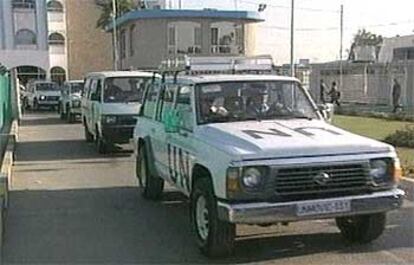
(89, 48)
(24, 37)
(53, 39)
(397, 49)
(148, 36)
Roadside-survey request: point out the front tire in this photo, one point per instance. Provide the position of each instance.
(215, 238)
(362, 228)
(101, 145)
(88, 135)
(152, 186)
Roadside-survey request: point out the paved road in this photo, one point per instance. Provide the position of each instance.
(70, 205)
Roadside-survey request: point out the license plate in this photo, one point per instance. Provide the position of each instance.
(315, 208)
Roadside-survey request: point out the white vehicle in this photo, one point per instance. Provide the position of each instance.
(255, 149)
(70, 103)
(110, 105)
(41, 93)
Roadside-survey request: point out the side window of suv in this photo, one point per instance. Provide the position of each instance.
(86, 87)
(92, 90)
(184, 107)
(167, 99)
(98, 90)
(150, 105)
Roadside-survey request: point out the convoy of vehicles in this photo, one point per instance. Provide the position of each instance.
(255, 149)
(245, 148)
(110, 105)
(41, 93)
(70, 103)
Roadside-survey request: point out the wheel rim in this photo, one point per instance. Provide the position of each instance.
(202, 221)
(143, 171)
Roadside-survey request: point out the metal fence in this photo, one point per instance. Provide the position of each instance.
(5, 101)
(367, 85)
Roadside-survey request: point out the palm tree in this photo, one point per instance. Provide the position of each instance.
(123, 6)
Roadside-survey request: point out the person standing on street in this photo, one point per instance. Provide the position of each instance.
(335, 94)
(322, 91)
(396, 94)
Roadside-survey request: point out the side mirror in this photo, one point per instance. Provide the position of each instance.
(327, 110)
(172, 121)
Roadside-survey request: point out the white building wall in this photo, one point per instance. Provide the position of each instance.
(13, 20)
(387, 50)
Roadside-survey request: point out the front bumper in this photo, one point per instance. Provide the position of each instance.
(119, 134)
(48, 103)
(265, 213)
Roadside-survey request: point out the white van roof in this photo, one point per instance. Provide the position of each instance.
(108, 74)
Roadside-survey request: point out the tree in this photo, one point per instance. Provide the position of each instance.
(365, 38)
(123, 6)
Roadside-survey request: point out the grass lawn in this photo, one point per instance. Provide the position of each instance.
(377, 129)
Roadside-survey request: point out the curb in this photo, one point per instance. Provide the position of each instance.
(6, 179)
(407, 184)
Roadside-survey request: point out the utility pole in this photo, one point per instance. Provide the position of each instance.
(292, 39)
(179, 4)
(114, 34)
(235, 5)
(341, 47)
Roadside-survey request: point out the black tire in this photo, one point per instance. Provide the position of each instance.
(101, 145)
(219, 241)
(88, 135)
(151, 186)
(62, 114)
(35, 105)
(362, 228)
(70, 117)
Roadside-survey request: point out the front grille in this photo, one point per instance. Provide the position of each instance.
(126, 120)
(52, 98)
(309, 182)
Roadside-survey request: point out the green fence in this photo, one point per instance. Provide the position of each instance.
(5, 101)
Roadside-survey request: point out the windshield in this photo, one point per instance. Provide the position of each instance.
(124, 89)
(242, 101)
(47, 87)
(76, 87)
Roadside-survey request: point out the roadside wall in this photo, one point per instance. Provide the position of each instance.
(367, 83)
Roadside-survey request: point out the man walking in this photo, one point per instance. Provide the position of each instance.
(322, 91)
(335, 94)
(396, 94)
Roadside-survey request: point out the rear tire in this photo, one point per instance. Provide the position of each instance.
(101, 145)
(70, 117)
(362, 228)
(215, 238)
(88, 135)
(151, 186)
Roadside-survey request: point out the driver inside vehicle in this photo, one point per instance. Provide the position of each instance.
(256, 103)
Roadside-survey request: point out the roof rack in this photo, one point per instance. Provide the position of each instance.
(215, 65)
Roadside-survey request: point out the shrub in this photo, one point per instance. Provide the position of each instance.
(402, 138)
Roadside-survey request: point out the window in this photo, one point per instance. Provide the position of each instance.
(123, 44)
(227, 38)
(27, 4)
(56, 39)
(167, 100)
(150, 106)
(25, 37)
(214, 36)
(98, 90)
(124, 89)
(184, 107)
(131, 40)
(54, 6)
(58, 74)
(184, 38)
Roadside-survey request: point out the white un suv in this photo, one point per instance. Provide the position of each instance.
(255, 149)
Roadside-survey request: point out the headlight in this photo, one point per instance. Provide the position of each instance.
(252, 177)
(76, 103)
(110, 119)
(381, 171)
(42, 97)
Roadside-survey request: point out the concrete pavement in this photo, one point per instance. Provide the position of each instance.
(70, 205)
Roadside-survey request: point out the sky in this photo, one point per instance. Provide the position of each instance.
(317, 24)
